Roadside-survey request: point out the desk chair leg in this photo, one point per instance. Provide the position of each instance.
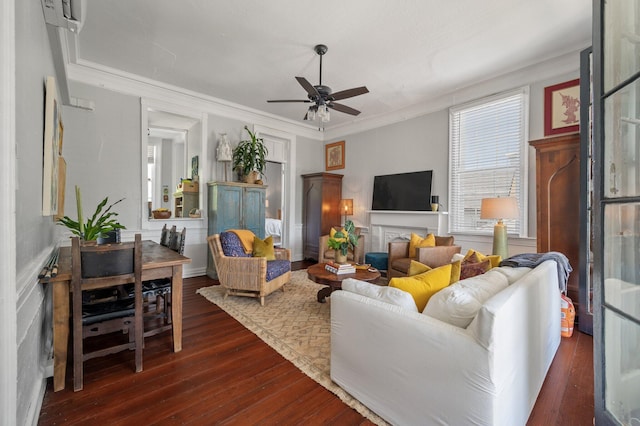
(77, 343)
(139, 327)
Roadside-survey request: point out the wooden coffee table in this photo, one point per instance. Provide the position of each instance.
(319, 274)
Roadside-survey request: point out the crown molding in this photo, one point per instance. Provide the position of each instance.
(112, 79)
(547, 69)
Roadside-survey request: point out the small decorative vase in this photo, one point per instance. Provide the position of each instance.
(340, 258)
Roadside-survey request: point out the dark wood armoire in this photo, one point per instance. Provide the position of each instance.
(321, 194)
(558, 200)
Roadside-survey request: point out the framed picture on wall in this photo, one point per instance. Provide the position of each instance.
(562, 108)
(52, 148)
(334, 156)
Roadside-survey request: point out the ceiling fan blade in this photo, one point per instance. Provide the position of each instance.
(343, 108)
(307, 86)
(349, 93)
(290, 100)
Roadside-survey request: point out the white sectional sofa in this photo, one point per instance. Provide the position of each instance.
(413, 369)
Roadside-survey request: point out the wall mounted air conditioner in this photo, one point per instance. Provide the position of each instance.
(67, 14)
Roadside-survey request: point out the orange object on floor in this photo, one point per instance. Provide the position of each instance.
(567, 317)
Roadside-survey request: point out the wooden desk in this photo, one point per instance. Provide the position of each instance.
(157, 262)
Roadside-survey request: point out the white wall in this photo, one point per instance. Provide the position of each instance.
(422, 143)
(34, 234)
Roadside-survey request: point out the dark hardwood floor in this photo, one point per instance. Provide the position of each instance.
(226, 375)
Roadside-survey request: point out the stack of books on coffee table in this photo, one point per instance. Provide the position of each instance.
(340, 269)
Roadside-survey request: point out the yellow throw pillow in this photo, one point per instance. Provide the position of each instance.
(455, 271)
(264, 248)
(416, 268)
(495, 260)
(418, 242)
(423, 286)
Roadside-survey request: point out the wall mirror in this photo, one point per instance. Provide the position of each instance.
(173, 141)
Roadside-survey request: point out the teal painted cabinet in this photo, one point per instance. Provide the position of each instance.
(234, 205)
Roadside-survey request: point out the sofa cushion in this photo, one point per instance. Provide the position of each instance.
(402, 264)
(512, 274)
(231, 245)
(275, 268)
(423, 286)
(417, 241)
(264, 248)
(459, 303)
(391, 295)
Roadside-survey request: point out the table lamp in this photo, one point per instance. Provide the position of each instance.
(346, 207)
(499, 208)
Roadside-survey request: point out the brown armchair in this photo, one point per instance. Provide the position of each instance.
(326, 254)
(439, 255)
(250, 276)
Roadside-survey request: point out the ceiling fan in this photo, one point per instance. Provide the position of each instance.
(322, 97)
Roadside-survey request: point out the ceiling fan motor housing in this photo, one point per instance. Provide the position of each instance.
(320, 49)
(324, 91)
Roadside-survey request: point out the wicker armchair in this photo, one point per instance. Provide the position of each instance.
(250, 276)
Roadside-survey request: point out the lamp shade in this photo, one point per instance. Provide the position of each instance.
(499, 208)
(346, 206)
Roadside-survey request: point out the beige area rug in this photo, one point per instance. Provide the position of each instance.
(296, 326)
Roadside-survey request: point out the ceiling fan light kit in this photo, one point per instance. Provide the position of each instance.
(322, 96)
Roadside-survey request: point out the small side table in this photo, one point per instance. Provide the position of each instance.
(320, 275)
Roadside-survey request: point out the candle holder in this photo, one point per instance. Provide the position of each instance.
(435, 203)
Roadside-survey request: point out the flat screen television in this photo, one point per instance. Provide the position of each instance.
(403, 191)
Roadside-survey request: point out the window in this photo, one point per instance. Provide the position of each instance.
(487, 159)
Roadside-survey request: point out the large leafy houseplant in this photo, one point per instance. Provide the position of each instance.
(344, 239)
(98, 225)
(250, 155)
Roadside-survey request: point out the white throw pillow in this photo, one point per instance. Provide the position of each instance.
(459, 303)
(391, 295)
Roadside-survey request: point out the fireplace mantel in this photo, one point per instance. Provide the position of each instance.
(391, 225)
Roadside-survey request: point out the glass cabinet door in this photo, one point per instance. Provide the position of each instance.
(616, 277)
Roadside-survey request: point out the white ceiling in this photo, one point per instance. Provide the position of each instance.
(406, 51)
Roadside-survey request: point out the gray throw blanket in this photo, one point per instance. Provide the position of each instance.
(531, 260)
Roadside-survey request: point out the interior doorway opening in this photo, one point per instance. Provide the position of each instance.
(274, 203)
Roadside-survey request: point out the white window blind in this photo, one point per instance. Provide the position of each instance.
(487, 159)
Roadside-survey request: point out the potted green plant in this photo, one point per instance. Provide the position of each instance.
(98, 225)
(249, 157)
(343, 240)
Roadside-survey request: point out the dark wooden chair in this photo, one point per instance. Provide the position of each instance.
(160, 289)
(164, 235)
(118, 264)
